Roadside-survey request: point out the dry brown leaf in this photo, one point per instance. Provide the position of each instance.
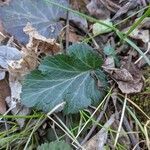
(128, 80)
(79, 5)
(13, 101)
(73, 36)
(79, 21)
(4, 92)
(98, 10)
(17, 69)
(39, 43)
(23, 66)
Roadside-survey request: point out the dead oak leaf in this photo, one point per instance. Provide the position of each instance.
(39, 43)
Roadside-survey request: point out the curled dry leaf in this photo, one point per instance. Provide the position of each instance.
(39, 43)
(4, 92)
(128, 80)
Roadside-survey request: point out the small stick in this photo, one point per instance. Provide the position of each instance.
(133, 140)
(98, 120)
(67, 30)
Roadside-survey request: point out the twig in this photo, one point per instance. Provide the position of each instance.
(111, 3)
(133, 140)
(67, 30)
(98, 120)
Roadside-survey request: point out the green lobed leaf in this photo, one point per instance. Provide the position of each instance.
(57, 145)
(43, 17)
(64, 78)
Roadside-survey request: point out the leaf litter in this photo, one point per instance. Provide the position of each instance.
(41, 79)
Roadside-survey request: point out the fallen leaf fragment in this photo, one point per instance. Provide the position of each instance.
(17, 69)
(143, 35)
(128, 80)
(7, 54)
(139, 34)
(4, 92)
(2, 74)
(98, 10)
(79, 21)
(73, 36)
(15, 87)
(124, 9)
(23, 66)
(13, 101)
(18, 109)
(39, 43)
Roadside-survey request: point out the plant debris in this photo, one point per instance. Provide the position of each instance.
(74, 71)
